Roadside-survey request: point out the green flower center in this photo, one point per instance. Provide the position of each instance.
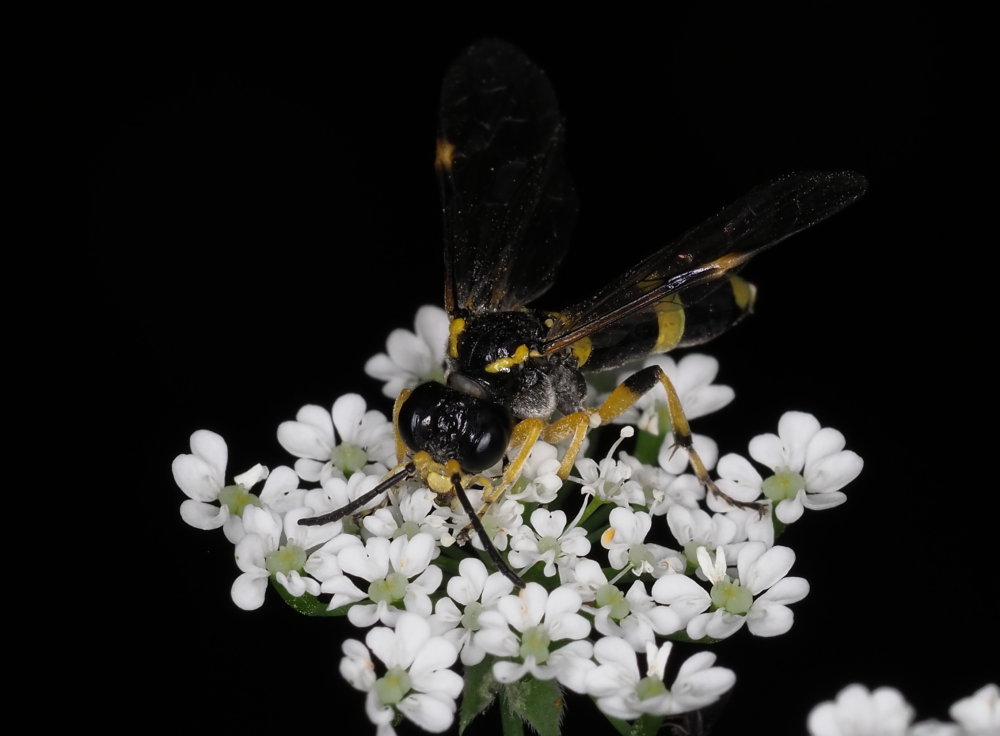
(349, 458)
(535, 643)
(285, 559)
(610, 595)
(236, 498)
(650, 687)
(730, 596)
(389, 589)
(470, 618)
(548, 544)
(392, 686)
(409, 529)
(782, 485)
(640, 558)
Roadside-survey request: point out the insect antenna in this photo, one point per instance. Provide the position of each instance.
(408, 471)
(477, 524)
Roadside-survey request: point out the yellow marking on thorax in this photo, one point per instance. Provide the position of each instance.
(670, 319)
(582, 349)
(454, 330)
(444, 156)
(744, 293)
(504, 364)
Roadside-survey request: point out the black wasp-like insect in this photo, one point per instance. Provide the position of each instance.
(514, 372)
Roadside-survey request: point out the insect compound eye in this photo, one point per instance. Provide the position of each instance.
(451, 424)
(485, 437)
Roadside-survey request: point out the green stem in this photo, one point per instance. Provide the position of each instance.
(509, 720)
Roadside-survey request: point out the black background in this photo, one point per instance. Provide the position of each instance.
(263, 212)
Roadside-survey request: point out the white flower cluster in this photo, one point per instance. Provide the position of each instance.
(858, 711)
(625, 556)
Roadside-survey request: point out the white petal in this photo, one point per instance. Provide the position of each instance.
(615, 651)
(211, 448)
(348, 412)
(248, 590)
(820, 501)
(759, 571)
(431, 324)
(363, 615)
(436, 654)
(827, 441)
(199, 479)
(411, 556)
(250, 552)
(203, 515)
(548, 524)
(796, 429)
(685, 596)
(431, 713)
(980, 712)
(305, 440)
(499, 642)
(769, 619)
(723, 625)
(738, 469)
(833, 472)
(281, 482)
(406, 350)
(508, 672)
(786, 590)
(769, 450)
(369, 562)
(790, 510)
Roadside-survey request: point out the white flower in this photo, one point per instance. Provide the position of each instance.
(334, 493)
(858, 712)
(398, 572)
(417, 681)
(501, 521)
(476, 590)
(416, 512)
(634, 615)
(662, 489)
(610, 479)
(682, 595)
(367, 440)
(809, 467)
(539, 481)
(979, 714)
(202, 474)
(757, 596)
(275, 546)
(694, 528)
(549, 541)
(621, 692)
(413, 358)
(692, 378)
(625, 540)
(539, 619)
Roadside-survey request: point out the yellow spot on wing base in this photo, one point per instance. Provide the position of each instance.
(445, 155)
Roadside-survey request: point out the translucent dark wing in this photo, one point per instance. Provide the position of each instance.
(507, 198)
(690, 268)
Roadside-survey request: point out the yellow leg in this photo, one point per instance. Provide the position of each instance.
(572, 425)
(636, 386)
(401, 448)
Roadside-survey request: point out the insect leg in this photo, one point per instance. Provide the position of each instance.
(572, 425)
(525, 435)
(407, 471)
(400, 445)
(632, 388)
(484, 537)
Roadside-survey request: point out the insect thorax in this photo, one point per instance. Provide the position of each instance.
(495, 356)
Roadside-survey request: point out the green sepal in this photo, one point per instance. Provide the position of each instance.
(539, 703)
(478, 692)
(306, 604)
